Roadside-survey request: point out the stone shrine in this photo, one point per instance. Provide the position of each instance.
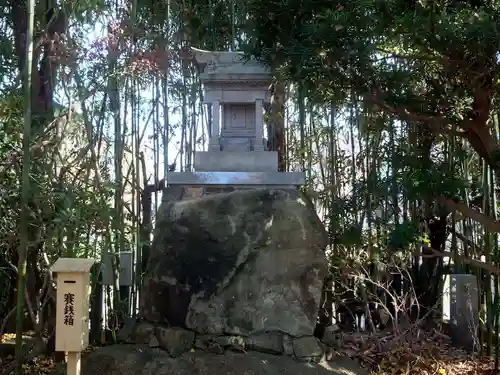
(236, 91)
(235, 272)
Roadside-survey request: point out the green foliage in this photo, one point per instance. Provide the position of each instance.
(425, 56)
(62, 207)
(403, 235)
(351, 236)
(206, 25)
(420, 180)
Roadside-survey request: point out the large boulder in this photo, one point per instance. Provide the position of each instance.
(141, 360)
(237, 263)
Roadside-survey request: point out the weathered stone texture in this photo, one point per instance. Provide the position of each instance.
(141, 360)
(237, 263)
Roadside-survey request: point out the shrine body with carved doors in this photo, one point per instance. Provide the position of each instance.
(236, 91)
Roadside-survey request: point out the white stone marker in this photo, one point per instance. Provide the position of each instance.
(460, 307)
(72, 315)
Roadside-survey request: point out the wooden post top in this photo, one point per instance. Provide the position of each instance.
(76, 265)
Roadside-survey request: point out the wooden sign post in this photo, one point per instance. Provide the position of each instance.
(72, 315)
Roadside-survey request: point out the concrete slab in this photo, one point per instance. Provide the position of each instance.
(240, 161)
(237, 178)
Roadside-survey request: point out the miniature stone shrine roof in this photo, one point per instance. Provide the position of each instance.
(217, 65)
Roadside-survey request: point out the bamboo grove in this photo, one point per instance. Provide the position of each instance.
(389, 107)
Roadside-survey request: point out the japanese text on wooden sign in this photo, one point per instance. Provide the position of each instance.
(69, 309)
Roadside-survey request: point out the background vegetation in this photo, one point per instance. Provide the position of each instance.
(390, 107)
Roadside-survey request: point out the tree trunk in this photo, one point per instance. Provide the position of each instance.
(44, 65)
(427, 275)
(276, 124)
(43, 73)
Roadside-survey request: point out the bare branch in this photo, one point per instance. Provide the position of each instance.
(490, 224)
(473, 262)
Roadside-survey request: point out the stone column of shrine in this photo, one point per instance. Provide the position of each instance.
(259, 125)
(215, 136)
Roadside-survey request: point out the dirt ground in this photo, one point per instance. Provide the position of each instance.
(412, 352)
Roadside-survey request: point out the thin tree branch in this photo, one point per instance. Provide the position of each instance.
(490, 224)
(473, 262)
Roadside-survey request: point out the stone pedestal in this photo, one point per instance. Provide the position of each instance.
(212, 266)
(242, 161)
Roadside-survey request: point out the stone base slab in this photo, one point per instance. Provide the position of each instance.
(186, 192)
(250, 179)
(236, 161)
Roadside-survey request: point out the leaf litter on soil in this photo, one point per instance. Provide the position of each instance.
(40, 365)
(412, 352)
